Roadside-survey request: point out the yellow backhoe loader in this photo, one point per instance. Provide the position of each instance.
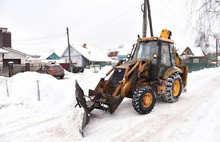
(153, 71)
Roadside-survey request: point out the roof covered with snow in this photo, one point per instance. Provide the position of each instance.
(197, 51)
(2, 51)
(91, 53)
(14, 51)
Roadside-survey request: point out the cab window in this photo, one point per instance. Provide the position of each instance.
(172, 54)
(165, 54)
(147, 50)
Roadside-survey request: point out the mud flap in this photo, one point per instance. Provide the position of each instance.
(184, 90)
(81, 102)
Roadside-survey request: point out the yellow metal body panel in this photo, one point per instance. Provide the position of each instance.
(155, 38)
(185, 75)
(177, 58)
(171, 71)
(165, 33)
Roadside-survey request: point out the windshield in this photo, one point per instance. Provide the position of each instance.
(147, 50)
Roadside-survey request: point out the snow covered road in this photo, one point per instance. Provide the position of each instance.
(195, 117)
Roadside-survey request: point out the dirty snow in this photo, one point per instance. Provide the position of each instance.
(195, 117)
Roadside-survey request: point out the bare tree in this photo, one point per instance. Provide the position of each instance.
(205, 19)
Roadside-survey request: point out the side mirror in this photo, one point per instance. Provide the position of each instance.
(128, 56)
(134, 45)
(155, 55)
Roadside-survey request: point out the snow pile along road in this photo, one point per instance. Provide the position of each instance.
(28, 119)
(195, 117)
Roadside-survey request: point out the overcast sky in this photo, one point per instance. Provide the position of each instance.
(40, 25)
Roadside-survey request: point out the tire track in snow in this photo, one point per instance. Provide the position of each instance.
(177, 117)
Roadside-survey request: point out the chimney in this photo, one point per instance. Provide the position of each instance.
(84, 45)
(1, 38)
(5, 38)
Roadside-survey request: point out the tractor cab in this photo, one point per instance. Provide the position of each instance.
(159, 50)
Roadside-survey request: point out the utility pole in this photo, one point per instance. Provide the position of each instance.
(149, 18)
(216, 52)
(68, 41)
(146, 10)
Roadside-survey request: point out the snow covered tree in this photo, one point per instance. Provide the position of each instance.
(205, 19)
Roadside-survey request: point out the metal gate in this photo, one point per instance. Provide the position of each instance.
(199, 66)
(4, 71)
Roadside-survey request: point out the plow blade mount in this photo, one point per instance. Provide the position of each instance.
(81, 102)
(97, 100)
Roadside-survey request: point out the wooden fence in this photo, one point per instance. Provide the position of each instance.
(13, 69)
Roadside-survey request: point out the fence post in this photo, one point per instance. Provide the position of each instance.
(11, 69)
(27, 66)
(38, 90)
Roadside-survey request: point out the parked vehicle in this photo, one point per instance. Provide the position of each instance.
(75, 69)
(54, 70)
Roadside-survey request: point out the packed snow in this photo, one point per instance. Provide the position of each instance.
(40, 108)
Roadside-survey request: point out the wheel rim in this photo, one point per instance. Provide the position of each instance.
(176, 88)
(147, 100)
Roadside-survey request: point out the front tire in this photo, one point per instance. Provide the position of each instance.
(144, 99)
(173, 88)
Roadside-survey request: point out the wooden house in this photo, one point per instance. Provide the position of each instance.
(84, 56)
(194, 55)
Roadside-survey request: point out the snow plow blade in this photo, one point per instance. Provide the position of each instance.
(97, 99)
(81, 102)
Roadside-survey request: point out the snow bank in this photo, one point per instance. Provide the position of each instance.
(195, 117)
(21, 110)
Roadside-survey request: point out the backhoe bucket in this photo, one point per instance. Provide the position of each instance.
(81, 101)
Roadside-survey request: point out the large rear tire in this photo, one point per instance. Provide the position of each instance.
(173, 88)
(144, 99)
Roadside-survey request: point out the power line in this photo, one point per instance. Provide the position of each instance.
(102, 24)
(110, 20)
(171, 11)
(41, 38)
(83, 39)
(166, 19)
(46, 40)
